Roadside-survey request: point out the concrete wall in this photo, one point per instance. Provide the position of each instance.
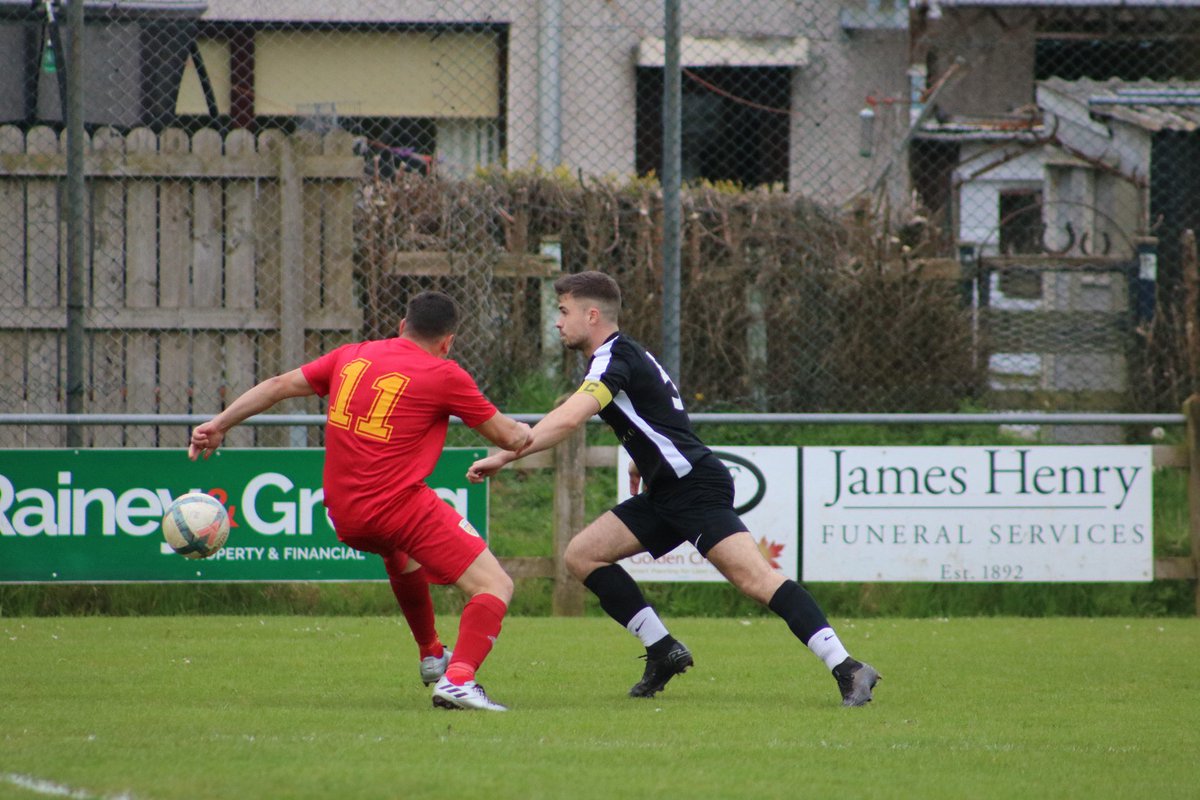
(598, 74)
(997, 48)
(844, 70)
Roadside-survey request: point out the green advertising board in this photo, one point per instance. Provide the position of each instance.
(96, 515)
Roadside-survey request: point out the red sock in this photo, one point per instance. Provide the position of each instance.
(477, 632)
(412, 593)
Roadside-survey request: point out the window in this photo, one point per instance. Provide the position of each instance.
(1020, 222)
(414, 93)
(734, 123)
(1021, 234)
(932, 165)
(1130, 58)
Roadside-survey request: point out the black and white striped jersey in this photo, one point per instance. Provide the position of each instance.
(643, 407)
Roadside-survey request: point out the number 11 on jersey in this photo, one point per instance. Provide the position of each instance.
(387, 389)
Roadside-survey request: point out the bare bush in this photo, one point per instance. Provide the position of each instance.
(786, 305)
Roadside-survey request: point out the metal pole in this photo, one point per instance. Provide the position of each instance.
(550, 85)
(76, 256)
(291, 248)
(948, 418)
(671, 177)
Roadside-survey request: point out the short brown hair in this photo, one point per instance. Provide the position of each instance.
(595, 286)
(431, 315)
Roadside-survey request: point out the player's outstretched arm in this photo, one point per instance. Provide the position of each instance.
(507, 434)
(551, 430)
(208, 436)
(504, 432)
(558, 424)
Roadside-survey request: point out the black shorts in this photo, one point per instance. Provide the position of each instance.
(697, 508)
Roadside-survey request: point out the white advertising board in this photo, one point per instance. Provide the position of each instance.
(977, 514)
(766, 497)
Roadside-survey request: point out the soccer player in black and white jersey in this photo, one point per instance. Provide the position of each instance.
(688, 495)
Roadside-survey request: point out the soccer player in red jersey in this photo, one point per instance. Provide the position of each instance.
(390, 404)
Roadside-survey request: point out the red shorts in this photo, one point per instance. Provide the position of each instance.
(427, 529)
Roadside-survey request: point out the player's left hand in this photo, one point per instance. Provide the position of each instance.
(635, 479)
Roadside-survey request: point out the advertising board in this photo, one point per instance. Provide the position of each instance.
(95, 515)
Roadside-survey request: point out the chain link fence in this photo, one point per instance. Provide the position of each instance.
(887, 206)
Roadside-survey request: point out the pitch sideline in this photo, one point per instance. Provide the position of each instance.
(52, 789)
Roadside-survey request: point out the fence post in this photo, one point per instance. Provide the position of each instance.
(291, 272)
(1191, 410)
(569, 482)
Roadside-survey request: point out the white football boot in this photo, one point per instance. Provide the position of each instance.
(432, 669)
(470, 697)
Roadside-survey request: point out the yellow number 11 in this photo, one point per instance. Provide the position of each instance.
(388, 389)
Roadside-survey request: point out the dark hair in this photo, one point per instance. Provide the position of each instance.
(592, 285)
(431, 315)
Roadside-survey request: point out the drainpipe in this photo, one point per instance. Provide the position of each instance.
(550, 84)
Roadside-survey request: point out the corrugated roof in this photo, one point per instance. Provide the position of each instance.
(1151, 105)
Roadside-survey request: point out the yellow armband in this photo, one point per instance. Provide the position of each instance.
(597, 390)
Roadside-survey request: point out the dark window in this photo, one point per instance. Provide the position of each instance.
(1021, 233)
(1127, 59)
(734, 123)
(1020, 222)
(1174, 199)
(932, 166)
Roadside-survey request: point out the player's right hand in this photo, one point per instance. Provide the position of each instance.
(485, 468)
(205, 439)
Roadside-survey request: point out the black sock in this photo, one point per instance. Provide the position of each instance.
(617, 591)
(799, 610)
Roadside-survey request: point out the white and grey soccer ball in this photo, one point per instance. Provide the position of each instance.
(196, 525)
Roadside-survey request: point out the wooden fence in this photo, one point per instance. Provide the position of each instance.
(214, 261)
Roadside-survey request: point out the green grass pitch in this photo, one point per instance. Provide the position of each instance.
(322, 707)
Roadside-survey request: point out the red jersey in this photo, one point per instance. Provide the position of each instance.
(389, 405)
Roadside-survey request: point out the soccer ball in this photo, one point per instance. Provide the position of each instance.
(196, 525)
